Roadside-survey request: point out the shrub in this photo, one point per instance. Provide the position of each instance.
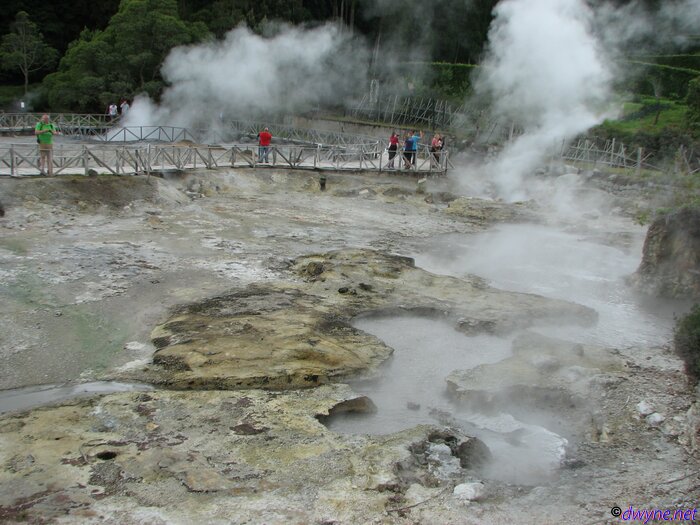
(686, 341)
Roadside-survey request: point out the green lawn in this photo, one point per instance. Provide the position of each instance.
(641, 115)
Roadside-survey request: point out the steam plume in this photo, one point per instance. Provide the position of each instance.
(546, 71)
(248, 74)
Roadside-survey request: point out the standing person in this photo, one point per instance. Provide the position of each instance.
(415, 139)
(264, 140)
(393, 147)
(44, 132)
(124, 107)
(436, 146)
(407, 146)
(112, 111)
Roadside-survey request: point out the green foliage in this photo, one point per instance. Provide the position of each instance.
(220, 16)
(688, 61)
(62, 22)
(123, 60)
(661, 79)
(9, 97)
(437, 80)
(686, 341)
(451, 81)
(656, 125)
(693, 102)
(24, 48)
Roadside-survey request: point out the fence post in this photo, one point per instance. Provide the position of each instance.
(12, 161)
(639, 161)
(612, 153)
(85, 160)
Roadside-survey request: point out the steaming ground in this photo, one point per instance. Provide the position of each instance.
(86, 276)
(580, 252)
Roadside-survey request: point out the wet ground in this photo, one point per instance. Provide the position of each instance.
(88, 267)
(87, 274)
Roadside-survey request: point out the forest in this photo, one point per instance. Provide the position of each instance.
(79, 56)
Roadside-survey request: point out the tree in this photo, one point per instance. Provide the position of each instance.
(24, 48)
(124, 59)
(61, 22)
(221, 16)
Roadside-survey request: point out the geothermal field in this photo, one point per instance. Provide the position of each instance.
(264, 344)
(242, 347)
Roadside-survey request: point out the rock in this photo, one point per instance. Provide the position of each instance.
(655, 419)
(192, 464)
(542, 372)
(673, 427)
(416, 494)
(204, 480)
(357, 405)
(412, 406)
(473, 453)
(299, 334)
(670, 265)
(313, 269)
(484, 212)
(443, 464)
(691, 433)
(475, 491)
(644, 408)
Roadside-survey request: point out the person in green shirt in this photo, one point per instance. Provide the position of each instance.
(44, 132)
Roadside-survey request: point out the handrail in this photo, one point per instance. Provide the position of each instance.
(22, 159)
(102, 128)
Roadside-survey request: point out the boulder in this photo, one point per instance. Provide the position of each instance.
(670, 264)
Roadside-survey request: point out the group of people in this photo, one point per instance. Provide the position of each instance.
(114, 111)
(410, 147)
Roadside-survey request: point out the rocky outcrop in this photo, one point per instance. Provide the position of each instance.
(543, 374)
(481, 211)
(215, 457)
(670, 264)
(297, 333)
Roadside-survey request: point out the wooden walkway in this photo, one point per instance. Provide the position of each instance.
(19, 160)
(96, 143)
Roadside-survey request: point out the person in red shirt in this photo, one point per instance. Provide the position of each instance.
(264, 140)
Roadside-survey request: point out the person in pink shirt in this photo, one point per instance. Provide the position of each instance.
(436, 146)
(393, 148)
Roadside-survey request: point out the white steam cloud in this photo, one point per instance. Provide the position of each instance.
(248, 74)
(546, 71)
(635, 28)
(550, 68)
